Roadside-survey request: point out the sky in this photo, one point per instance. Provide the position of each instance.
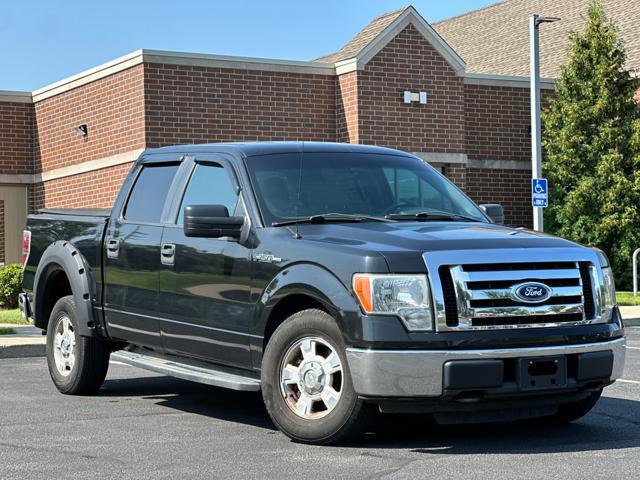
(43, 41)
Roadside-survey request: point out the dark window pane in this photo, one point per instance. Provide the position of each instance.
(149, 193)
(209, 185)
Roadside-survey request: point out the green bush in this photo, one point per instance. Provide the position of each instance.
(10, 285)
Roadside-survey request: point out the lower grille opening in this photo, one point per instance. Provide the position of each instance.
(526, 320)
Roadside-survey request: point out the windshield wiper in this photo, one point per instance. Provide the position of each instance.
(430, 216)
(331, 217)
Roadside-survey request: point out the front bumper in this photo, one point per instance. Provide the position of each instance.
(421, 373)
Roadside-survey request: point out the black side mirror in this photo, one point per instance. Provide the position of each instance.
(211, 221)
(494, 211)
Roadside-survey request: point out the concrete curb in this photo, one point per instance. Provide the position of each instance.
(22, 351)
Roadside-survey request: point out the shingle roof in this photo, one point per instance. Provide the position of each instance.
(363, 38)
(495, 39)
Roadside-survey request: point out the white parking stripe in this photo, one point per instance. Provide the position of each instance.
(115, 362)
(635, 382)
(633, 348)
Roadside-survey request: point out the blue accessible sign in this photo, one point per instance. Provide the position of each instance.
(539, 192)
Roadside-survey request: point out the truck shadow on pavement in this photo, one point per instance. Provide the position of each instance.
(613, 424)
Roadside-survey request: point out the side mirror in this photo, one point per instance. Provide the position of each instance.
(494, 211)
(211, 221)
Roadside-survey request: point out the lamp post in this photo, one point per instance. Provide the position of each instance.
(536, 131)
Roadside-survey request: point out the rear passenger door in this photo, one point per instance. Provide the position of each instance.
(205, 287)
(132, 255)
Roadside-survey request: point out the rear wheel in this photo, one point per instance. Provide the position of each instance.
(306, 384)
(77, 365)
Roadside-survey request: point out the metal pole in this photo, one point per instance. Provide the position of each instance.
(536, 130)
(635, 271)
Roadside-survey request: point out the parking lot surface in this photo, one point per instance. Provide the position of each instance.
(143, 425)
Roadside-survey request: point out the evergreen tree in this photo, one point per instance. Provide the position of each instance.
(592, 146)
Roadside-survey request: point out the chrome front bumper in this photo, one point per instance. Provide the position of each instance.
(419, 373)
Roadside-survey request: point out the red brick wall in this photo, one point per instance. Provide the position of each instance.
(510, 188)
(498, 121)
(97, 189)
(112, 108)
(16, 138)
(347, 108)
(409, 62)
(186, 104)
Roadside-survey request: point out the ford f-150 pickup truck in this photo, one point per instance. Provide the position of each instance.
(341, 281)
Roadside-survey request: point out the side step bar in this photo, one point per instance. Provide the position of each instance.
(188, 369)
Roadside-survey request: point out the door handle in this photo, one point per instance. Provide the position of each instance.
(113, 247)
(167, 253)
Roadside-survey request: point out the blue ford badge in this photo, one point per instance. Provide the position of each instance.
(531, 292)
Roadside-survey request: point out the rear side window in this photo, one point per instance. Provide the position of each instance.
(209, 185)
(149, 193)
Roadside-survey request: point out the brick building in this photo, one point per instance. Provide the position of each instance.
(474, 126)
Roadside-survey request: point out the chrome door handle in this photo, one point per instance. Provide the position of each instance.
(167, 253)
(113, 247)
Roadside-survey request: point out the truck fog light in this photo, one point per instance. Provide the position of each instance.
(407, 296)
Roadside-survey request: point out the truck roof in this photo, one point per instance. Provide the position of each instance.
(262, 148)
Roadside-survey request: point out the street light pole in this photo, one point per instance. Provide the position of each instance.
(536, 130)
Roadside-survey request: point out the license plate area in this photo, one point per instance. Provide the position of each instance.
(537, 373)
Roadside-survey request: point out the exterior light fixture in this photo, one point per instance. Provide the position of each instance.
(82, 130)
(415, 97)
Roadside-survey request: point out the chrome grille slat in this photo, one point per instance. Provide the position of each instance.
(522, 311)
(497, 293)
(518, 275)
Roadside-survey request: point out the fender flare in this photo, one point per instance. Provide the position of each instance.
(62, 255)
(317, 283)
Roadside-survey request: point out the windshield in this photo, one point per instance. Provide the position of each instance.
(352, 184)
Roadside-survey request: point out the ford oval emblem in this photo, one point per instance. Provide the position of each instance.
(531, 292)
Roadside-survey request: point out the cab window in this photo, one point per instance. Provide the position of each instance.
(210, 184)
(149, 193)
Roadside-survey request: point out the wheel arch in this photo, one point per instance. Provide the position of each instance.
(300, 287)
(63, 271)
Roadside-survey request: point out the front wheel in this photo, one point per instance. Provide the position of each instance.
(77, 365)
(306, 385)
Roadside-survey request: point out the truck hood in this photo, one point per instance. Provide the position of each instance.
(405, 237)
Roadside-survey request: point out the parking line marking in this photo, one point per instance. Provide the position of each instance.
(115, 362)
(633, 348)
(635, 382)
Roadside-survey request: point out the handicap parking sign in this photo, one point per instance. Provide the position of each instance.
(539, 192)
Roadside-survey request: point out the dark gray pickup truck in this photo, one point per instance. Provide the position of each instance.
(342, 281)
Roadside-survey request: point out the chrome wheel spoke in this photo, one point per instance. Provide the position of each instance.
(64, 346)
(330, 397)
(290, 375)
(57, 341)
(304, 405)
(332, 364)
(308, 349)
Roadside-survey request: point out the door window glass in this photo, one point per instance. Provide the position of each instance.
(209, 185)
(149, 193)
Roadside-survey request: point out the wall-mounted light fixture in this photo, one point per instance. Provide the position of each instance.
(415, 97)
(82, 130)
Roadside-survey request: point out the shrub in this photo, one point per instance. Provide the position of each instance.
(10, 285)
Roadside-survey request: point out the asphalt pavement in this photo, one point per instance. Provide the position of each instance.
(143, 425)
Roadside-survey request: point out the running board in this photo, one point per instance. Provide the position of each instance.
(188, 370)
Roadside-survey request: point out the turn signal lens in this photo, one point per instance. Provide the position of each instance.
(407, 296)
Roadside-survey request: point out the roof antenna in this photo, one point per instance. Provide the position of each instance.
(297, 234)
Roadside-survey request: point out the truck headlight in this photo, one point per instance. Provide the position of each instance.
(608, 285)
(407, 296)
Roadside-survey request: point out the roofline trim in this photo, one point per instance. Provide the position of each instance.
(491, 80)
(15, 97)
(409, 16)
(180, 58)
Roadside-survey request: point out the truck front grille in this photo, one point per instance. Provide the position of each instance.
(483, 295)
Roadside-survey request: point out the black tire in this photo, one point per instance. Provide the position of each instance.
(91, 355)
(347, 419)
